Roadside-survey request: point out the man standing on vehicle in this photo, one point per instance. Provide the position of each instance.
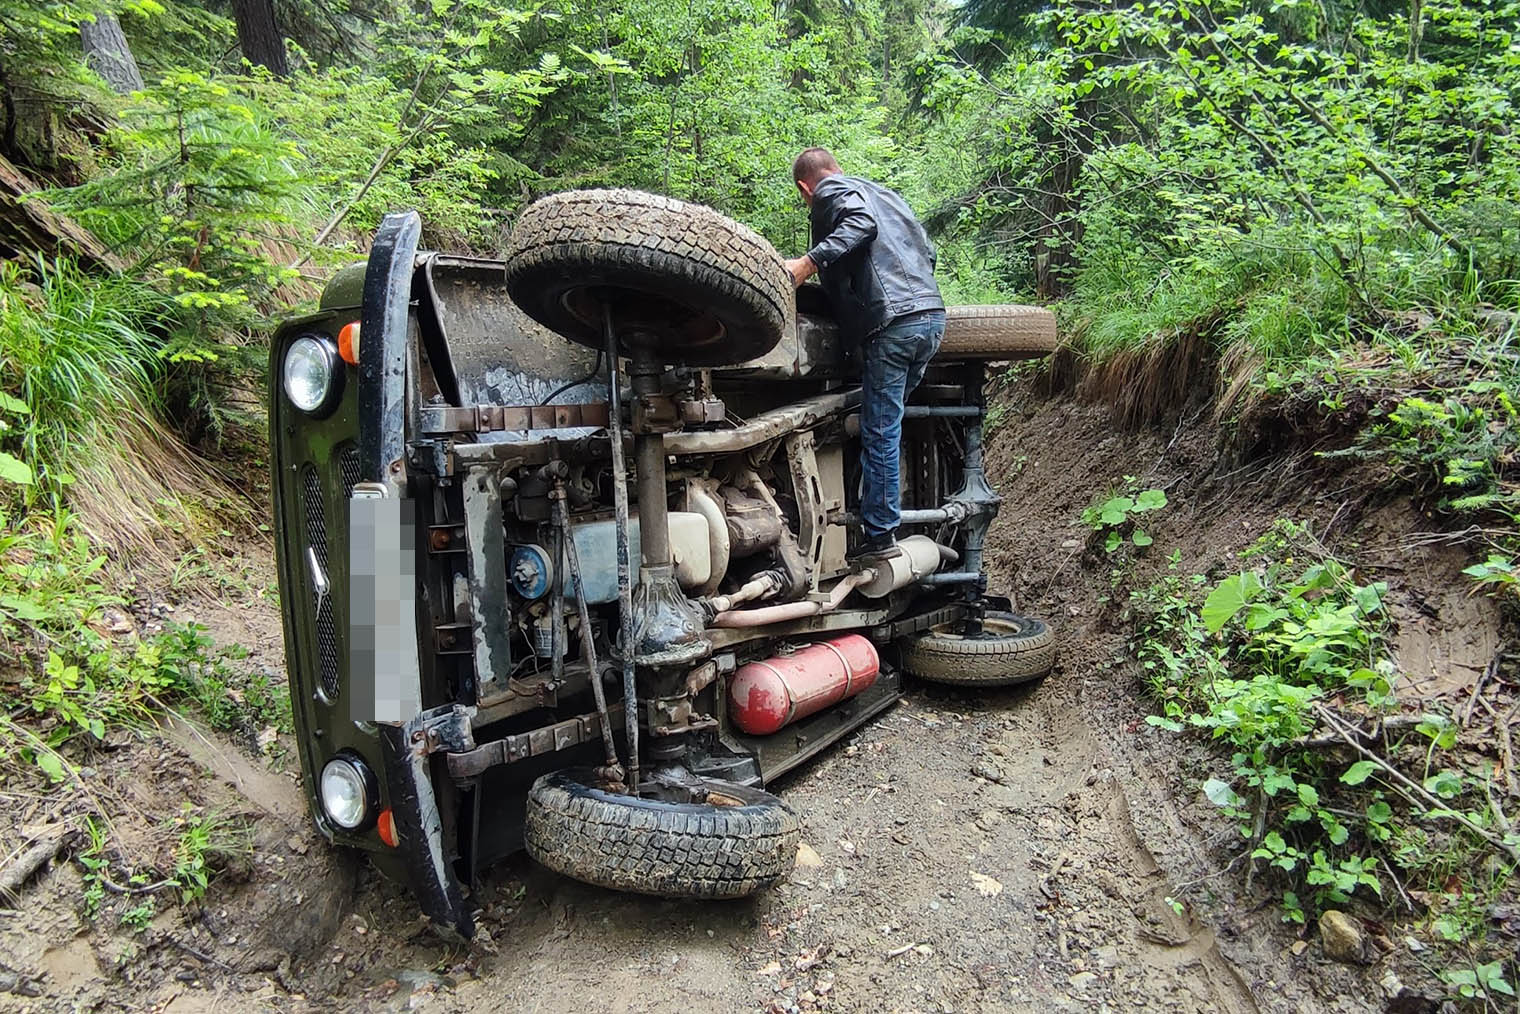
(877, 266)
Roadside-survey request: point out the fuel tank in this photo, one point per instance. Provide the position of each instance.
(764, 697)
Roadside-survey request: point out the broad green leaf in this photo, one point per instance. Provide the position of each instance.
(1260, 616)
(1151, 499)
(14, 470)
(22, 608)
(1220, 794)
(1492, 975)
(1446, 784)
(51, 766)
(1114, 511)
(1228, 599)
(1141, 539)
(1275, 782)
(1438, 728)
(1359, 772)
(10, 403)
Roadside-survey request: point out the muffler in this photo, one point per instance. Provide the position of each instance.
(917, 557)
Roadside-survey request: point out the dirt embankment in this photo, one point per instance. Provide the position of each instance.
(1012, 851)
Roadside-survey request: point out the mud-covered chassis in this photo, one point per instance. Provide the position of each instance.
(485, 470)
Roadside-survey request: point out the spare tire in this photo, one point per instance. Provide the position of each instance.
(740, 841)
(998, 332)
(1010, 649)
(691, 286)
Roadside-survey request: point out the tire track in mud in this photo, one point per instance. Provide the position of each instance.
(1160, 950)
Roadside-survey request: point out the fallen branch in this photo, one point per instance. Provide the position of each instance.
(1493, 804)
(29, 227)
(1394, 723)
(1397, 883)
(1410, 789)
(1478, 685)
(1507, 749)
(116, 888)
(20, 869)
(197, 954)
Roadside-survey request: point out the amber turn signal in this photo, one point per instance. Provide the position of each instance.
(348, 343)
(386, 825)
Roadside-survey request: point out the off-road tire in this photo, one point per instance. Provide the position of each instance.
(998, 332)
(671, 850)
(703, 289)
(1011, 649)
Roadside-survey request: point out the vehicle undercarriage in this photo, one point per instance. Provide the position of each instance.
(621, 558)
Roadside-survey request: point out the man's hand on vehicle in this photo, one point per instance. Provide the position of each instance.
(802, 268)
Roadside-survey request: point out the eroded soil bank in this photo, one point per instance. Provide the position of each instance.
(1002, 852)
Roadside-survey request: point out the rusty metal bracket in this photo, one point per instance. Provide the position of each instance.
(446, 728)
(440, 420)
(655, 413)
(700, 411)
(524, 745)
(807, 486)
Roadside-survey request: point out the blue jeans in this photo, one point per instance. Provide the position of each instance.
(895, 360)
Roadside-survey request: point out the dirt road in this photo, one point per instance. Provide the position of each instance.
(924, 886)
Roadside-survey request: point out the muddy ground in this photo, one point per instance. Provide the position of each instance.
(1005, 851)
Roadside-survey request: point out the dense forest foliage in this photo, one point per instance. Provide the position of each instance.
(1275, 181)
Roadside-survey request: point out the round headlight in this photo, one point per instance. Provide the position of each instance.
(313, 375)
(348, 792)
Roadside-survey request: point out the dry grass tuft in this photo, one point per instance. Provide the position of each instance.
(137, 487)
(1238, 367)
(1157, 380)
(1064, 369)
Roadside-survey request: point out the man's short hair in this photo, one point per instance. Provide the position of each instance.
(813, 163)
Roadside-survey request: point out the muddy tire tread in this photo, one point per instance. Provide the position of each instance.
(647, 234)
(998, 332)
(992, 662)
(660, 849)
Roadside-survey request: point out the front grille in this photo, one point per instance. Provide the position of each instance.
(348, 464)
(316, 538)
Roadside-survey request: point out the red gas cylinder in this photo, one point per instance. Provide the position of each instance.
(764, 697)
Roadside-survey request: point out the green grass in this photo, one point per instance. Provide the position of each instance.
(80, 370)
(1281, 302)
(79, 351)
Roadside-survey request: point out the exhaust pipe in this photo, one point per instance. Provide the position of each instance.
(918, 557)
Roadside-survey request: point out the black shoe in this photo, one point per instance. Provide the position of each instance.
(876, 548)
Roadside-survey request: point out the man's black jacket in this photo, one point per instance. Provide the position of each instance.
(874, 258)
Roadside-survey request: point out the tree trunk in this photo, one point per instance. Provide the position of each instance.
(28, 228)
(107, 53)
(258, 36)
(1055, 251)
